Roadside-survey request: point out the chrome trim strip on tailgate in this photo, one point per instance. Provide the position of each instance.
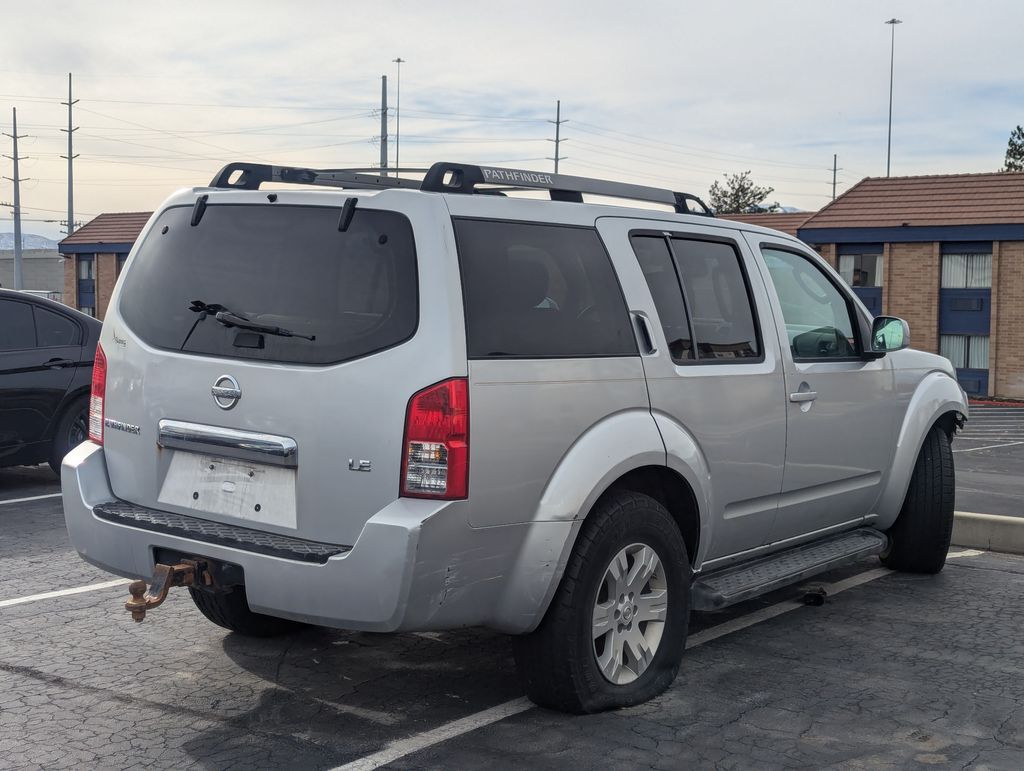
(229, 442)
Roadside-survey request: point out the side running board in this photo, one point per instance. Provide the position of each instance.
(736, 583)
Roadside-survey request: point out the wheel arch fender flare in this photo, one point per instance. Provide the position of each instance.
(608, 450)
(936, 395)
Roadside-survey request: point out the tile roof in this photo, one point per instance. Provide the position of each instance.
(118, 228)
(944, 199)
(787, 222)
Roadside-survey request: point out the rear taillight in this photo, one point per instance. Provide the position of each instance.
(435, 459)
(99, 389)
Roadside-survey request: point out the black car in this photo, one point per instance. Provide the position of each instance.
(46, 357)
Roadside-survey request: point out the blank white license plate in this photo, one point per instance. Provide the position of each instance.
(232, 488)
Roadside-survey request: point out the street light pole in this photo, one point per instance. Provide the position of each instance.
(398, 111)
(892, 53)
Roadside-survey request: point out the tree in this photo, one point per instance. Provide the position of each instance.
(739, 195)
(1015, 151)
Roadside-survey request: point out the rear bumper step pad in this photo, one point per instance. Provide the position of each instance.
(234, 536)
(741, 582)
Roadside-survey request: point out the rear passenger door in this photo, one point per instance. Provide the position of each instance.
(34, 375)
(842, 409)
(711, 372)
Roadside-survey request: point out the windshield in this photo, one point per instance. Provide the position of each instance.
(353, 292)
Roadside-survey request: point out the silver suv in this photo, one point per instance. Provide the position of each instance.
(390, 404)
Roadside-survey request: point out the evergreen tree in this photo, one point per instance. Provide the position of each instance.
(739, 195)
(1015, 151)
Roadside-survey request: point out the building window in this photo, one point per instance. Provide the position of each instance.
(965, 351)
(120, 262)
(966, 271)
(87, 284)
(861, 270)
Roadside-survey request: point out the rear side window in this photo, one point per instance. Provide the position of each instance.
(720, 307)
(540, 291)
(656, 262)
(52, 329)
(288, 267)
(17, 332)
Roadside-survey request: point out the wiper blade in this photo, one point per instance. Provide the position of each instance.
(229, 319)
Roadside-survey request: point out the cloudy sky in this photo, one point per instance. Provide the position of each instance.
(668, 93)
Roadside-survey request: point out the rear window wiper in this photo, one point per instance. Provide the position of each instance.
(229, 319)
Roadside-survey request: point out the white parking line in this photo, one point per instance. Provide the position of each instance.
(989, 447)
(64, 592)
(402, 747)
(32, 498)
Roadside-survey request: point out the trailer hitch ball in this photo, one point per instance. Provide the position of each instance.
(184, 573)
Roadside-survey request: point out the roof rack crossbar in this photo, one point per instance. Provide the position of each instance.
(464, 178)
(249, 176)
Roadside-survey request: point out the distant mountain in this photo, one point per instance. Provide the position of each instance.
(28, 241)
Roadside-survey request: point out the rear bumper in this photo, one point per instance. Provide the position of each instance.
(417, 564)
(366, 587)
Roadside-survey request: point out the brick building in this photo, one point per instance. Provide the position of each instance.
(93, 257)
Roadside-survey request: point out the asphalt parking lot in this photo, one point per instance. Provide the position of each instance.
(893, 671)
(989, 456)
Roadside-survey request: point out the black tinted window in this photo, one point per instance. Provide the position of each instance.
(720, 309)
(16, 328)
(537, 291)
(279, 266)
(656, 262)
(52, 329)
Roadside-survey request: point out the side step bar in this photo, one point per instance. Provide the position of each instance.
(741, 582)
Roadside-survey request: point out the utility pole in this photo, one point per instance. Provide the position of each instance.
(398, 111)
(892, 55)
(384, 121)
(16, 179)
(558, 139)
(71, 157)
(834, 170)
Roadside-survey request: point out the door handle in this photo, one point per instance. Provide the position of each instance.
(58, 363)
(803, 396)
(646, 337)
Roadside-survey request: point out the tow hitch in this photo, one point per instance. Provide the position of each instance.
(184, 573)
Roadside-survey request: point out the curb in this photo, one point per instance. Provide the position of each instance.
(989, 531)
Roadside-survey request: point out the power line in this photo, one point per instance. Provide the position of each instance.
(558, 121)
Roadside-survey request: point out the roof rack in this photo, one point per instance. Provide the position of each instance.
(458, 178)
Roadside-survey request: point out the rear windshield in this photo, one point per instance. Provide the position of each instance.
(354, 292)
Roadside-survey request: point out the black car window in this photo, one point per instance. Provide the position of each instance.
(17, 332)
(720, 304)
(540, 291)
(52, 329)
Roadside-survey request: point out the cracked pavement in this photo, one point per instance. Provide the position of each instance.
(902, 672)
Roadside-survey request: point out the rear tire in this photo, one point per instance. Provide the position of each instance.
(72, 429)
(231, 611)
(570, 663)
(919, 539)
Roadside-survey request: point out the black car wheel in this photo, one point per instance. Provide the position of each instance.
(72, 430)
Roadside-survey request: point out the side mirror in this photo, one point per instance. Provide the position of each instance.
(888, 334)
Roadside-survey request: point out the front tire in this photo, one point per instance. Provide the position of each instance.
(919, 539)
(616, 628)
(231, 611)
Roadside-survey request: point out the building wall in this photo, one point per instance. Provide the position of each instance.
(1007, 379)
(70, 297)
(41, 269)
(106, 277)
(911, 290)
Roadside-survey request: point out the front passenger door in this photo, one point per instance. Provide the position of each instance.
(840, 419)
